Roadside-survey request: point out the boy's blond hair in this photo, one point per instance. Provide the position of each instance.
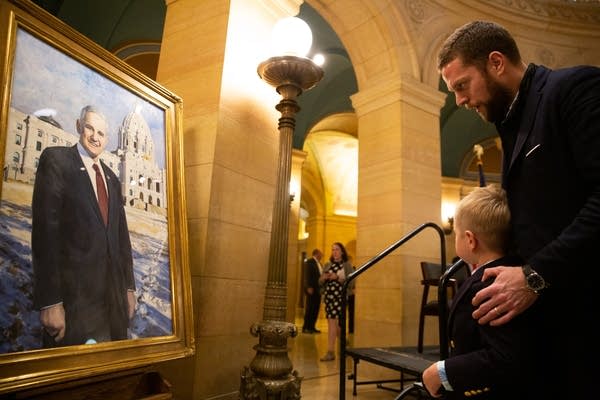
(485, 212)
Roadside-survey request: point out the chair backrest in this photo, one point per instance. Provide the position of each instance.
(432, 272)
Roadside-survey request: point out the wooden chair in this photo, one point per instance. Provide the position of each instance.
(432, 273)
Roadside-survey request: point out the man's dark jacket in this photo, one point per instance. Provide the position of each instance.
(551, 172)
(77, 260)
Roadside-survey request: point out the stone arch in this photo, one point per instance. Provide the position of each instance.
(388, 51)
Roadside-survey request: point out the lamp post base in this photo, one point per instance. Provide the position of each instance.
(270, 375)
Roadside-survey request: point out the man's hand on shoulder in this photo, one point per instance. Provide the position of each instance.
(505, 298)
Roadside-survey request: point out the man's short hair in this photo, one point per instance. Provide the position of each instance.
(473, 43)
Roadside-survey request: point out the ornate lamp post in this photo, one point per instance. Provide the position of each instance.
(270, 373)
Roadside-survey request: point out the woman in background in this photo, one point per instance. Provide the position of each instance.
(334, 275)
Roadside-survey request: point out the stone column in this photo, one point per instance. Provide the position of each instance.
(399, 181)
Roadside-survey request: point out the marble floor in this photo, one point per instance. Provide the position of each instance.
(321, 379)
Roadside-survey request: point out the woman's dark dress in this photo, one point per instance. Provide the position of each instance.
(333, 294)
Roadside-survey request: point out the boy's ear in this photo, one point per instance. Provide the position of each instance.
(471, 240)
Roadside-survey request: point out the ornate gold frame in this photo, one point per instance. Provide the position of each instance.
(31, 368)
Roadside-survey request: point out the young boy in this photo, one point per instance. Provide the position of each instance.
(486, 362)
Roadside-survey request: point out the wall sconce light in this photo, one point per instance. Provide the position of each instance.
(448, 209)
(449, 226)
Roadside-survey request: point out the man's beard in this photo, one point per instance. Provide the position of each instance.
(499, 103)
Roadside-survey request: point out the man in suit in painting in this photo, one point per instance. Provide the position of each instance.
(312, 272)
(82, 261)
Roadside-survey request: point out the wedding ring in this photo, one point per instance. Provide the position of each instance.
(496, 311)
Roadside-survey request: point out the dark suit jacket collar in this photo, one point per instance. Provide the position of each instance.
(524, 115)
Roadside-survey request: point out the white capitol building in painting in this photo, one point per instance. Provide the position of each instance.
(133, 161)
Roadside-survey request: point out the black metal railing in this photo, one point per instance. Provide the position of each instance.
(363, 268)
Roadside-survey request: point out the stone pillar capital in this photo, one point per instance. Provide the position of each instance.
(398, 88)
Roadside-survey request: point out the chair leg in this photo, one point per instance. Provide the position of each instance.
(422, 318)
(421, 328)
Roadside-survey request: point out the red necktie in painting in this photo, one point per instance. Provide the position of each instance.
(102, 196)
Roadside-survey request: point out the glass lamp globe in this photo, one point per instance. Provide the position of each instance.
(291, 37)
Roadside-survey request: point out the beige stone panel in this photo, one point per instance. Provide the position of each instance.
(247, 141)
(236, 252)
(400, 187)
(420, 122)
(197, 234)
(406, 267)
(423, 165)
(370, 46)
(400, 306)
(385, 120)
(403, 307)
(381, 304)
(380, 147)
(394, 205)
(374, 333)
(380, 144)
(374, 239)
(423, 208)
(376, 66)
(199, 136)
(224, 306)
(350, 13)
(294, 257)
(431, 331)
(240, 199)
(391, 142)
(378, 178)
(219, 363)
(197, 189)
(422, 150)
(387, 274)
(400, 315)
(189, 25)
(198, 91)
(371, 37)
(339, 229)
(378, 206)
(316, 227)
(392, 272)
(294, 285)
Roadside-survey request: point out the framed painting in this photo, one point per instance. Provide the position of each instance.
(87, 286)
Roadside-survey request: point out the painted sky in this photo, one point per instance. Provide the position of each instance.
(46, 78)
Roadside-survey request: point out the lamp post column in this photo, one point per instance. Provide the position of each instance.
(270, 373)
(274, 308)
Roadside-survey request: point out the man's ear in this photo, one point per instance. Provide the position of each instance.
(496, 62)
(78, 127)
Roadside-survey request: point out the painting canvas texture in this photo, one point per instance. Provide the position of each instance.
(49, 88)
